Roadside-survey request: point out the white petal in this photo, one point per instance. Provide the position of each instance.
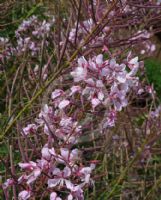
(101, 96)
(133, 61)
(121, 78)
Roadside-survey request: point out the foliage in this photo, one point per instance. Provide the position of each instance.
(153, 68)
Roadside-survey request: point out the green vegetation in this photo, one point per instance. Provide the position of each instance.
(153, 70)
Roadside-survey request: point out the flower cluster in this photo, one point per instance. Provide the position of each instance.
(31, 37)
(30, 34)
(106, 83)
(98, 88)
(146, 46)
(83, 29)
(59, 170)
(101, 83)
(60, 165)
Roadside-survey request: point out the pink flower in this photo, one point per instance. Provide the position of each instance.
(75, 89)
(99, 59)
(46, 153)
(22, 178)
(53, 196)
(95, 102)
(60, 177)
(35, 171)
(133, 64)
(85, 173)
(44, 164)
(118, 98)
(29, 166)
(80, 72)
(63, 104)
(70, 197)
(57, 93)
(155, 114)
(117, 71)
(45, 114)
(66, 122)
(31, 128)
(110, 120)
(24, 195)
(52, 151)
(68, 156)
(76, 191)
(34, 175)
(9, 182)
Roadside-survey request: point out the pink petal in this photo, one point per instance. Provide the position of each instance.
(45, 153)
(52, 151)
(101, 96)
(67, 172)
(63, 104)
(99, 59)
(65, 153)
(29, 165)
(95, 102)
(24, 195)
(70, 197)
(53, 182)
(53, 196)
(75, 89)
(56, 94)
